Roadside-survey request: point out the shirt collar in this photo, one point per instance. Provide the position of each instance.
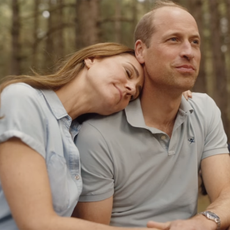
(185, 106)
(135, 116)
(54, 103)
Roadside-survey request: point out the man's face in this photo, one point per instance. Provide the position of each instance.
(173, 57)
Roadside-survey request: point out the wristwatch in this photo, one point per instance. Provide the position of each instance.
(212, 216)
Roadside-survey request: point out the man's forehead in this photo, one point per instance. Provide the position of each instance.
(174, 18)
(167, 13)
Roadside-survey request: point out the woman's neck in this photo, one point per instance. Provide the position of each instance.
(76, 97)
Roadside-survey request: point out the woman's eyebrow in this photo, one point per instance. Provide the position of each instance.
(137, 73)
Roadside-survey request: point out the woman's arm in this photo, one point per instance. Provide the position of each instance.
(25, 183)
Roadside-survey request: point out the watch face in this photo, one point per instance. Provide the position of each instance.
(211, 215)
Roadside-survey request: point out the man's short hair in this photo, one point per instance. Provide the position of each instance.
(145, 27)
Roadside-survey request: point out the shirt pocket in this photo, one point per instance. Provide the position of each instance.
(58, 176)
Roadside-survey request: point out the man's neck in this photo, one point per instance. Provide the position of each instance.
(160, 109)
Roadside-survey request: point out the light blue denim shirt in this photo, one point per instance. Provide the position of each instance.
(38, 118)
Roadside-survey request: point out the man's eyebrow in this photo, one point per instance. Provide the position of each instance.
(137, 73)
(176, 33)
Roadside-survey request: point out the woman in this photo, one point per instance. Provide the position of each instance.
(39, 163)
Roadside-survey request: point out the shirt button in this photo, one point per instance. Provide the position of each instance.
(163, 137)
(77, 177)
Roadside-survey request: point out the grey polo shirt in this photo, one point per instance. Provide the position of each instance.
(38, 118)
(149, 175)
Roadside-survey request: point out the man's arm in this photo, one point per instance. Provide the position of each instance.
(216, 176)
(99, 211)
(215, 168)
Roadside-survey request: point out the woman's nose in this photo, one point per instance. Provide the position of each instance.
(131, 87)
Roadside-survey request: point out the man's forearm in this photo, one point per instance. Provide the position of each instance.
(221, 207)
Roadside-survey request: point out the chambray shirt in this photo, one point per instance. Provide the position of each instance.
(38, 118)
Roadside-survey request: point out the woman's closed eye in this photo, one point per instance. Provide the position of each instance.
(129, 74)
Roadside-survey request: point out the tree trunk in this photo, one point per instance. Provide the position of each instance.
(134, 20)
(35, 33)
(59, 37)
(88, 28)
(48, 54)
(118, 21)
(15, 33)
(220, 94)
(195, 7)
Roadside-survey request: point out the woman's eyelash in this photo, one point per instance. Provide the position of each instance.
(128, 73)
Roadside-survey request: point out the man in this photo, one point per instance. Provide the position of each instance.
(142, 163)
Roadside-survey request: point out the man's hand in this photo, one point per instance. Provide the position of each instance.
(198, 222)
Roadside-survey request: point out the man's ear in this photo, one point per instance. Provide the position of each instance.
(139, 51)
(89, 62)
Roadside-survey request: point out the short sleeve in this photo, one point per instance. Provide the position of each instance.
(96, 163)
(215, 137)
(23, 116)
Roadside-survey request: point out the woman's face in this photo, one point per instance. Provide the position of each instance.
(116, 80)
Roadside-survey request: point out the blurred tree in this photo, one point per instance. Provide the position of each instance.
(15, 32)
(88, 27)
(196, 10)
(35, 32)
(59, 16)
(134, 11)
(218, 62)
(49, 48)
(228, 28)
(43, 31)
(118, 21)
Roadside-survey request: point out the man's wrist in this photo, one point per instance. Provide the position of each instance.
(212, 218)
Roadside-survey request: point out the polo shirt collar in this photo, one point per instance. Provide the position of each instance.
(54, 103)
(135, 116)
(185, 106)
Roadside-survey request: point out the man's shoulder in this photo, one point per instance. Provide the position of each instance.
(201, 101)
(100, 120)
(201, 97)
(101, 129)
(205, 110)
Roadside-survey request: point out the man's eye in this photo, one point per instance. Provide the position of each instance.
(174, 39)
(196, 41)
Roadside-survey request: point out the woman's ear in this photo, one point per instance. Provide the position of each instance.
(89, 62)
(139, 51)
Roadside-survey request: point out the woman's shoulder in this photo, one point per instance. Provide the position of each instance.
(20, 94)
(20, 98)
(20, 90)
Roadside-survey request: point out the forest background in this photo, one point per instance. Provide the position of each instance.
(38, 34)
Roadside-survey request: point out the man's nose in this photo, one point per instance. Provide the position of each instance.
(187, 50)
